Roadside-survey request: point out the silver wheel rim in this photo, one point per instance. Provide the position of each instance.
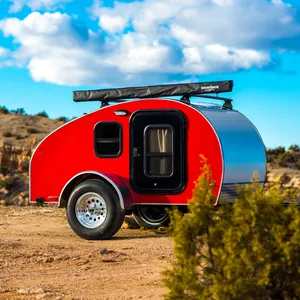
(91, 210)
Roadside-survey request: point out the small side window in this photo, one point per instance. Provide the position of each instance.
(159, 154)
(108, 139)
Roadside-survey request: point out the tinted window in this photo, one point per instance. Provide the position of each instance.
(108, 139)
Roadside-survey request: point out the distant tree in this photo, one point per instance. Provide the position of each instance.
(249, 250)
(4, 110)
(276, 151)
(287, 158)
(62, 119)
(294, 148)
(42, 114)
(20, 111)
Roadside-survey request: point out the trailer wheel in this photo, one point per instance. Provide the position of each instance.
(151, 216)
(94, 211)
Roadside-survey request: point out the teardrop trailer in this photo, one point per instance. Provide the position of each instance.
(141, 156)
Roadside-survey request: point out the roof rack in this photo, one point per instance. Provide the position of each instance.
(186, 90)
(227, 101)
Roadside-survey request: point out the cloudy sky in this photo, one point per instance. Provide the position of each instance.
(50, 47)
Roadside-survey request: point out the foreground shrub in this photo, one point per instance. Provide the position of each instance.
(248, 250)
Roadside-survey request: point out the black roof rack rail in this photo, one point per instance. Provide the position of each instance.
(155, 91)
(227, 101)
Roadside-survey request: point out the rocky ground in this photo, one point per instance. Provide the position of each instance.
(41, 258)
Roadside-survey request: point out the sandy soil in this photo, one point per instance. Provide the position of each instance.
(41, 258)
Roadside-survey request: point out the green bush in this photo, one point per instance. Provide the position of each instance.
(248, 250)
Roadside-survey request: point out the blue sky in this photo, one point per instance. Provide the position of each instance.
(48, 48)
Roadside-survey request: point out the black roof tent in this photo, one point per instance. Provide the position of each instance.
(186, 90)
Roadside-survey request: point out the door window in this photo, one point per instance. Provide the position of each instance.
(159, 150)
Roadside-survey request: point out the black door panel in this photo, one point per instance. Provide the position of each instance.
(158, 152)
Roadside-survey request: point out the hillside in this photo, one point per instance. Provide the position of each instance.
(25, 131)
(20, 134)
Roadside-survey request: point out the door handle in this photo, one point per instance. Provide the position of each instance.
(136, 152)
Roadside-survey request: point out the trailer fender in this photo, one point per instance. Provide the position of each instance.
(121, 188)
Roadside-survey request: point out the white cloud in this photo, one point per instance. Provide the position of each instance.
(156, 40)
(223, 2)
(216, 58)
(4, 52)
(17, 5)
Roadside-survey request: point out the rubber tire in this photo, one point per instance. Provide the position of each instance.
(115, 214)
(143, 223)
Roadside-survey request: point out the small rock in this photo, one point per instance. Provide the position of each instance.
(105, 251)
(2, 290)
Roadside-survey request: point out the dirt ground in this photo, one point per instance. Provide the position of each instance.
(41, 258)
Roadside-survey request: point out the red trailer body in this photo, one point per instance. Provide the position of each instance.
(148, 154)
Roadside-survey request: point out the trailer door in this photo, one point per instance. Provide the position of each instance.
(158, 152)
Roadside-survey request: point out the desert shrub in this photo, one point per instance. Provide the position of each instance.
(7, 134)
(3, 170)
(32, 130)
(62, 119)
(276, 151)
(4, 110)
(248, 250)
(7, 183)
(19, 137)
(20, 111)
(294, 148)
(42, 114)
(286, 158)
